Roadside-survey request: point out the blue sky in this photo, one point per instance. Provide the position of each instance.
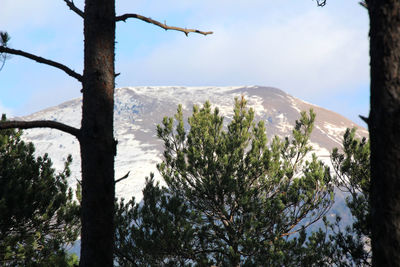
(317, 54)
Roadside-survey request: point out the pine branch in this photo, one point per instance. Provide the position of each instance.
(71, 5)
(159, 24)
(57, 65)
(40, 124)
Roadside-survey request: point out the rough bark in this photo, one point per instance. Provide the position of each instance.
(384, 127)
(97, 142)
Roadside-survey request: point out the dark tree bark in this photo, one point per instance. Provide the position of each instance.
(384, 128)
(98, 147)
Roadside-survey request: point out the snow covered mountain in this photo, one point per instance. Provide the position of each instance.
(139, 109)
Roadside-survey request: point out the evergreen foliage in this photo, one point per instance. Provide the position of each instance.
(352, 247)
(347, 245)
(230, 197)
(38, 213)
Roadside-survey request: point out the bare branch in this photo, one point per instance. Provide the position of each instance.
(364, 4)
(40, 124)
(122, 178)
(159, 24)
(57, 65)
(365, 119)
(71, 5)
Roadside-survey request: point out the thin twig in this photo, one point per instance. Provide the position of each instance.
(40, 124)
(72, 6)
(159, 24)
(42, 60)
(2, 64)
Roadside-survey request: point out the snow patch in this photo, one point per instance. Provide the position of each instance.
(139, 109)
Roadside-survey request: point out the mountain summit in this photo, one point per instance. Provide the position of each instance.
(138, 110)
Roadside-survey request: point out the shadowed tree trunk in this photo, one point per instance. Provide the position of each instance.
(98, 147)
(384, 127)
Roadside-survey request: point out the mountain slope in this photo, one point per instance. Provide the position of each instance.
(139, 109)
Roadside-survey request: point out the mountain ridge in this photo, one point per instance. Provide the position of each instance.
(139, 109)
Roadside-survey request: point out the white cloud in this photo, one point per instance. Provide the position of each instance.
(14, 14)
(292, 45)
(305, 54)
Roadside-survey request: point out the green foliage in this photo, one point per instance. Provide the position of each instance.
(159, 230)
(230, 197)
(352, 247)
(347, 245)
(38, 214)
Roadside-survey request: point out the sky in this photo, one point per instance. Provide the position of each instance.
(319, 55)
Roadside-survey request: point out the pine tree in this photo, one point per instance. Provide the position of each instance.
(338, 244)
(352, 247)
(230, 197)
(38, 214)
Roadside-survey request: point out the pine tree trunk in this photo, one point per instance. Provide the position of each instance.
(384, 127)
(97, 141)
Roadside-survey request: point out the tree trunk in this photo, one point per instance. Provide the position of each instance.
(97, 142)
(384, 127)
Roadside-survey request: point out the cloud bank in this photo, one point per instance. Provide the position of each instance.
(317, 54)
